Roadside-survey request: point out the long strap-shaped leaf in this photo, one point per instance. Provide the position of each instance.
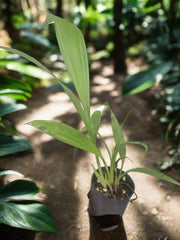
(66, 134)
(66, 89)
(73, 50)
(118, 136)
(153, 173)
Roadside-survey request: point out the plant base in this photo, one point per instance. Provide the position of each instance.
(100, 205)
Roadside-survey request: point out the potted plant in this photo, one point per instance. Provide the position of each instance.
(110, 183)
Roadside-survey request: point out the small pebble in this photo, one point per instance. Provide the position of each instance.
(123, 191)
(124, 179)
(52, 186)
(154, 211)
(168, 198)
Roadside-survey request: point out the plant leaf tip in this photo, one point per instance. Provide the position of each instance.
(30, 123)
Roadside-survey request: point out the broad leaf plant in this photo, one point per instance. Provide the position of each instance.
(20, 206)
(72, 47)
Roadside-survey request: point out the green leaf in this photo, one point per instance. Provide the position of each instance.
(84, 115)
(145, 79)
(6, 108)
(17, 94)
(19, 190)
(118, 136)
(12, 144)
(9, 172)
(96, 118)
(66, 134)
(154, 173)
(10, 83)
(31, 59)
(99, 176)
(73, 50)
(34, 216)
(139, 143)
(150, 3)
(26, 69)
(8, 126)
(36, 39)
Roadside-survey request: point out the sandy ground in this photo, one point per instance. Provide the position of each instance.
(64, 173)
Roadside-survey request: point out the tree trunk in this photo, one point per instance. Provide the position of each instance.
(172, 18)
(119, 49)
(59, 11)
(13, 33)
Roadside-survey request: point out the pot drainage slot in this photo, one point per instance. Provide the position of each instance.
(107, 222)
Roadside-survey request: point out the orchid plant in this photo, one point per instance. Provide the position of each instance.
(72, 47)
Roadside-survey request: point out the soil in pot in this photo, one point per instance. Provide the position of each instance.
(101, 201)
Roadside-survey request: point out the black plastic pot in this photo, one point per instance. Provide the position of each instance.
(100, 205)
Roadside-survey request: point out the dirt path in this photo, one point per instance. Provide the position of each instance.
(65, 176)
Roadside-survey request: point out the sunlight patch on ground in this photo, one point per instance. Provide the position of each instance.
(99, 89)
(48, 111)
(107, 71)
(101, 80)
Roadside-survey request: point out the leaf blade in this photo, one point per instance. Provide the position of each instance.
(96, 118)
(139, 143)
(154, 173)
(145, 79)
(118, 136)
(34, 216)
(19, 190)
(62, 132)
(12, 144)
(73, 50)
(6, 108)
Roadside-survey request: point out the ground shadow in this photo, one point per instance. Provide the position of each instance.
(151, 227)
(11, 233)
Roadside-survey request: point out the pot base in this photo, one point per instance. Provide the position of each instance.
(109, 227)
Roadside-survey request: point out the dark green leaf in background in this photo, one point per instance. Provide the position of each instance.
(33, 216)
(12, 144)
(19, 190)
(10, 83)
(146, 79)
(7, 125)
(16, 94)
(23, 68)
(6, 108)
